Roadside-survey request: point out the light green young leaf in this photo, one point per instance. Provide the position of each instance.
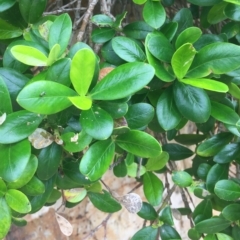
(234, 90)
(182, 59)
(5, 218)
(81, 102)
(207, 84)
(54, 54)
(29, 55)
(82, 70)
(233, 1)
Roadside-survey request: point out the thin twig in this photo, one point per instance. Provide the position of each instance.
(64, 10)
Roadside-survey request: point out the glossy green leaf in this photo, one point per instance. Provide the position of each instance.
(232, 11)
(6, 104)
(167, 113)
(71, 170)
(3, 188)
(54, 54)
(146, 233)
(160, 47)
(227, 190)
(204, 2)
(216, 13)
(60, 32)
(169, 29)
(81, 102)
(204, 209)
(104, 202)
(54, 196)
(153, 188)
(147, 212)
(123, 81)
(228, 153)
(212, 59)
(216, 173)
(234, 90)
(32, 10)
(139, 143)
(157, 163)
(128, 49)
(26, 176)
(34, 187)
(14, 158)
(222, 236)
(8, 31)
(45, 97)
(102, 35)
(97, 123)
(5, 218)
(38, 202)
(48, 161)
(189, 139)
(97, 159)
(154, 14)
(232, 212)
(29, 55)
(139, 115)
(139, 1)
(182, 59)
(189, 35)
(169, 233)
(137, 30)
(20, 124)
(176, 151)
(75, 142)
(207, 84)
(212, 225)
(120, 170)
(59, 71)
(193, 103)
(224, 114)
(213, 145)
(102, 20)
(203, 170)
(4, 5)
(165, 216)
(82, 70)
(182, 178)
(17, 201)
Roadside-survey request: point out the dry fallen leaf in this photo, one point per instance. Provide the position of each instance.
(40, 138)
(132, 202)
(64, 225)
(3, 118)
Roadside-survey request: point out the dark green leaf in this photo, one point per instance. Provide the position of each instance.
(169, 233)
(189, 139)
(167, 112)
(232, 11)
(193, 234)
(97, 159)
(4, 5)
(182, 178)
(97, 123)
(139, 143)
(123, 81)
(203, 170)
(120, 170)
(216, 13)
(6, 104)
(32, 10)
(165, 216)
(147, 212)
(8, 31)
(153, 188)
(17, 201)
(204, 209)
(14, 158)
(212, 59)
(154, 14)
(204, 2)
(102, 35)
(146, 233)
(45, 97)
(3, 188)
(128, 50)
(176, 151)
(137, 30)
(38, 202)
(169, 29)
(212, 225)
(48, 161)
(214, 144)
(60, 32)
(5, 218)
(227, 190)
(104, 202)
(139, 115)
(193, 103)
(216, 173)
(232, 212)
